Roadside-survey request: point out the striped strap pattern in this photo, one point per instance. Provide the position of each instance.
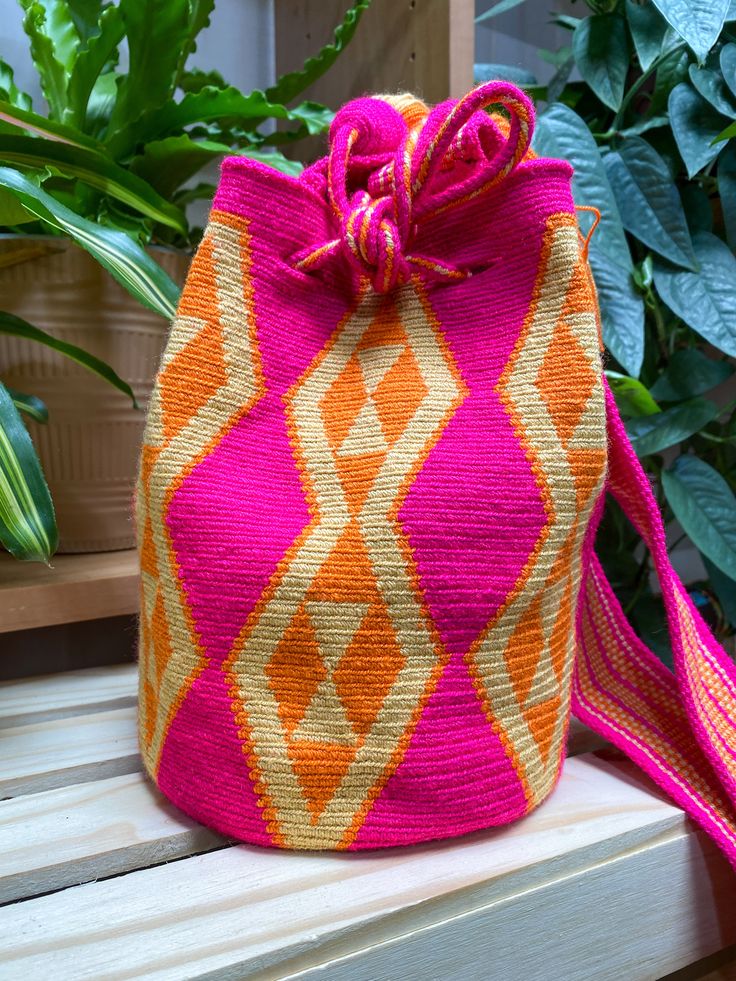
(680, 728)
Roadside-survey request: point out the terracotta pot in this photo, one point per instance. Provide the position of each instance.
(89, 447)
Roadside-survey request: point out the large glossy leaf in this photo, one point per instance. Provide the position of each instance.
(498, 8)
(9, 91)
(51, 72)
(652, 434)
(206, 106)
(632, 398)
(710, 83)
(705, 506)
(289, 86)
(698, 22)
(695, 125)
(727, 60)
(705, 300)
(90, 63)
(489, 72)
(27, 522)
(124, 259)
(32, 122)
(156, 31)
(601, 53)
(16, 327)
(727, 191)
(648, 29)
(95, 169)
(690, 372)
(560, 132)
(622, 311)
(648, 201)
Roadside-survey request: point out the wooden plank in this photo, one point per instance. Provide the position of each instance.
(643, 911)
(465, 905)
(58, 838)
(76, 587)
(66, 751)
(425, 46)
(57, 696)
(89, 831)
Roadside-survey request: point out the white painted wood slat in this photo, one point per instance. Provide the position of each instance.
(56, 696)
(597, 862)
(89, 831)
(66, 751)
(73, 834)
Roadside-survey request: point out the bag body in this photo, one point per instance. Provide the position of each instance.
(374, 462)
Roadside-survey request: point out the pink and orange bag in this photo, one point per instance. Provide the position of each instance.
(376, 456)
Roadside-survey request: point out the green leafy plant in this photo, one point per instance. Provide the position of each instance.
(643, 104)
(111, 165)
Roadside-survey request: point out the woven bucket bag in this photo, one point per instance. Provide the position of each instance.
(376, 456)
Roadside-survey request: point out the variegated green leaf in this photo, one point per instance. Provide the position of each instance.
(32, 122)
(95, 169)
(27, 522)
(124, 259)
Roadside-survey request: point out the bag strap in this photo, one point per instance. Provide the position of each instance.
(679, 728)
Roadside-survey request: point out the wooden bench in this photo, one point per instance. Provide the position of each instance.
(103, 878)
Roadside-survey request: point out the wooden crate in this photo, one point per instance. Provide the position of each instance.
(104, 879)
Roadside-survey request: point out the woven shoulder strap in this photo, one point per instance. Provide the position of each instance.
(679, 727)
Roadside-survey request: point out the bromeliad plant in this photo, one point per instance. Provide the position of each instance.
(643, 103)
(111, 165)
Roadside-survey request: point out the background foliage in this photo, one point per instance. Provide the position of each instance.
(110, 162)
(643, 103)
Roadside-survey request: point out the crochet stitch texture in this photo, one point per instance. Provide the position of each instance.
(373, 466)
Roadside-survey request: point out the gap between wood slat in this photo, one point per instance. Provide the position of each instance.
(27, 701)
(244, 911)
(93, 830)
(66, 831)
(54, 754)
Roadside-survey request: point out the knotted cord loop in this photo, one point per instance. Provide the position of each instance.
(401, 168)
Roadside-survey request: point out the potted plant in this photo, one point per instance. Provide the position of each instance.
(95, 238)
(643, 103)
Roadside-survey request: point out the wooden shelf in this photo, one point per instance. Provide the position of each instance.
(88, 848)
(75, 587)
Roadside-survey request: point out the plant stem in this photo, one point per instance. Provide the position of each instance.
(659, 324)
(626, 102)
